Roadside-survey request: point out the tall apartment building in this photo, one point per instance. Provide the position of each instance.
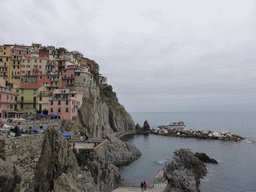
(5, 60)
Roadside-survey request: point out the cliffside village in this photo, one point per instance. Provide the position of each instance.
(44, 80)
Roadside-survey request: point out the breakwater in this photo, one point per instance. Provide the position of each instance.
(202, 134)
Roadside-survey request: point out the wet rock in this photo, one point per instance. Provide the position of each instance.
(205, 158)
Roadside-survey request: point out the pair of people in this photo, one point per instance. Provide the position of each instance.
(143, 186)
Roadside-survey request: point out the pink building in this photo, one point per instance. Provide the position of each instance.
(65, 103)
(21, 50)
(68, 76)
(8, 102)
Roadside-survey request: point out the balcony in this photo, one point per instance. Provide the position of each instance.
(51, 85)
(11, 101)
(43, 94)
(63, 98)
(68, 78)
(54, 79)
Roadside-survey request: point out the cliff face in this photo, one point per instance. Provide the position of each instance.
(101, 113)
(44, 162)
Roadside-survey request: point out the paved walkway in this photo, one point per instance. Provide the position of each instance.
(131, 189)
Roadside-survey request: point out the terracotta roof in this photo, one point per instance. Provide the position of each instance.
(30, 86)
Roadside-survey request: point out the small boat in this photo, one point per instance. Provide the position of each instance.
(173, 125)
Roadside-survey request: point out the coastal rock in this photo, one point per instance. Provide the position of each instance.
(205, 158)
(101, 113)
(64, 183)
(116, 151)
(138, 128)
(146, 126)
(183, 163)
(56, 158)
(10, 176)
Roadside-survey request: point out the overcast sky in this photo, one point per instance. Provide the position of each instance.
(163, 55)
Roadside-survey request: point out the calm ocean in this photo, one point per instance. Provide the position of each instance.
(236, 170)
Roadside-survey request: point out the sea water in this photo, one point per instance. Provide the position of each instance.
(236, 168)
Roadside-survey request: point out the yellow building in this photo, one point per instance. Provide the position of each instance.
(29, 98)
(5, 60)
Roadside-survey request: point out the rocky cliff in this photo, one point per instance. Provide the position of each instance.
(101, 113)
(186, 164)
(45, 162)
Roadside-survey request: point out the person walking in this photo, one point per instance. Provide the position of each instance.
(145, 186)
(142, 186)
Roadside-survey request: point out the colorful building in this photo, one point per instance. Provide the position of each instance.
(5, 60)
(65, 103)
(8, 102)
(68, 75)
(28, 97)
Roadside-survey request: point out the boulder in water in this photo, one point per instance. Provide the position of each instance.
(205, 158)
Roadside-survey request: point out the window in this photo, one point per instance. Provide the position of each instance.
(66, 109)
(51, 102)
(11, 106)
(40, 98)
(66, 102)
(73, 95)
(19, 52)
(40, 66)
(34, 106)
(34, 91)
(6, 59)
(13, 62)
(65, 71)
(40, 61)
(7, 97)
(59, 102)
(11, 97)
(21, 106)
(22, 90)
(4, 48)
(51, 109)
(59, 110)
(35, 60)
(28, 66)
(84, 80)
(1, 59)
(28, 61)
(13, 67)
(48, 77)
(4, 53)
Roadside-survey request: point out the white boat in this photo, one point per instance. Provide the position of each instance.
(173, 125)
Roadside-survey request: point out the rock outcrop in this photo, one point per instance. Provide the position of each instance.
(10, 176)
(183, 163)
(146, 126)
(116, 151)
(201, 134)
(45, 162)
(205, 158)
(101, 113)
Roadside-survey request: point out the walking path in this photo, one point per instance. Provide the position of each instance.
(131, 189)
